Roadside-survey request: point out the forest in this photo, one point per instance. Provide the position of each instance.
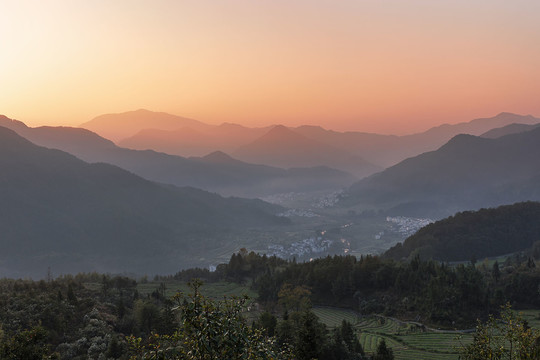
(486, 232)
(99, 316)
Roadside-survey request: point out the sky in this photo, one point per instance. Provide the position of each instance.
(386, 66)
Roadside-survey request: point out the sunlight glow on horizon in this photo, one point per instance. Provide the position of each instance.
(387, 67)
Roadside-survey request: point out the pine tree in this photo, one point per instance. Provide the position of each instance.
(383, 352)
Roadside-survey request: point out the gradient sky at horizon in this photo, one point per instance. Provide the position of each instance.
(381, 66)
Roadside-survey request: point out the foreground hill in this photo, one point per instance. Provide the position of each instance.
(61, 212)
(484, 233)
(219, 173)
(468, 172)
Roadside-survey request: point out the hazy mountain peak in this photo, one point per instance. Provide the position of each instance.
(142, 111)
(282, 139)
(281, 132)
(122, 125)
(463, 143)
(228, 125)
(219, 157)
(503, 119)
(280, 128)
(509, 114)
(461, 139)
(11, 123)
(313, 127)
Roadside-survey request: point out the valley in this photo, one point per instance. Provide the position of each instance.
(269, 180)
(389, 252)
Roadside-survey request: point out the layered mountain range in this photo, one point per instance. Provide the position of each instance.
(216, 171)
(468, 172)
(60, 211)
(81, 212)
(357, 152)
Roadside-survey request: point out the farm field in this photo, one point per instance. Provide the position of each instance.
(215, 290)
(407, 340)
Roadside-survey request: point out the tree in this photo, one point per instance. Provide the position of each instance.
(349, 338)
(267, 322)
(29, 345)
(295, 298)
(115, 349)
(311, 337)
(146, 315)
(344, 344)
(71, 295)
(383, 352)
(496, 272)
(209, 330)
(508, 337)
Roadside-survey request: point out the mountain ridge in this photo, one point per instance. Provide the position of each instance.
(87, 217)
(480, 234)
(285, 148)
(381, 150)
(233, 177)
(130, 122)
(468, 172)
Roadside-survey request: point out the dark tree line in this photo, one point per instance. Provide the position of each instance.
(433, 291)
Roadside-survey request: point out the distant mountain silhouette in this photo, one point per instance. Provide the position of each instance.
(480, 234)
(228, 176)
(120, 126)
(285, 148)
(61, 212)
(219, 157)
(388, 150)
(468, 172)
(508, 130)
(189, 142)
(187, 137)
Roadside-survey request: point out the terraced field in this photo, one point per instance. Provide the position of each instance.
(407, 340)
(332, 317)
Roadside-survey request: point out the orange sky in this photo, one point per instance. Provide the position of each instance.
(388, 66)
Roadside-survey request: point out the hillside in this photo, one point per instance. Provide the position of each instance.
(468, 172)
(480, 234)
(227, 178)
(61, 212)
